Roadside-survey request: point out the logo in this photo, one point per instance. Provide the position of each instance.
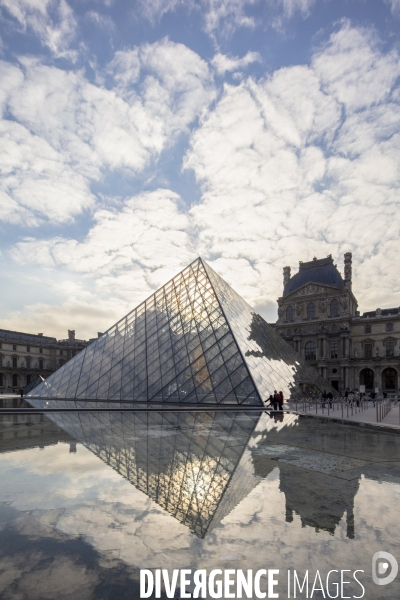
(383, 562)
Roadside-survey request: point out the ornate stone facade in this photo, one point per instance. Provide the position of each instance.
(23, 356)
(318, 317)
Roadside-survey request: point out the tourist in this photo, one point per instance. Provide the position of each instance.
(276, 400)
(280, 394)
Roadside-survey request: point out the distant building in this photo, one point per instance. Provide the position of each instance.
(318, 317)
(23, 356)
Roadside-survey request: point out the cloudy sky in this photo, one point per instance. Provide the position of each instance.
(136, 136)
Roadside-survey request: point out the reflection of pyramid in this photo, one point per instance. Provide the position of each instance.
(194, 341)
(191, 464)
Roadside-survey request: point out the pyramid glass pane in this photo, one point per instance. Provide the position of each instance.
(195, 340)
(272, 363)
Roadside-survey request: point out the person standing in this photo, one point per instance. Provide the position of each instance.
(280, 399)
(276, 400)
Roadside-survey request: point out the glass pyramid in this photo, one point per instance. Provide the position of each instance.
(194, 341)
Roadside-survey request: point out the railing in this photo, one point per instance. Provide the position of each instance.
(344, 407)
(383, 408)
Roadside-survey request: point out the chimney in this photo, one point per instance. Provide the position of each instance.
(71, 335)
(347, 270)
(286, 275)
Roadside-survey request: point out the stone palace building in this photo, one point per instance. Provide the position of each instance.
(318, 317)
(23, 356)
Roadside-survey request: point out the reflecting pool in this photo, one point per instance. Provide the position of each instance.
(88, 499)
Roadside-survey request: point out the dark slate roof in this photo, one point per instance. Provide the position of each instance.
(321, 271)
(17, 336)
(384, 312)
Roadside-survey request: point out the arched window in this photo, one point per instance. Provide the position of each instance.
(311, 351)
(389, 379)
(334, 308)
(40, 363)
(289, 313)
(367, 378)
(311, 310)
(15, 380)
(28, 379)
(1, 380)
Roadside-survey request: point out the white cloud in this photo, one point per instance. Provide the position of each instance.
(354, 70)
(291, 6)
(290, 166)
(126, 256)
(69, 133)
(102, 21)
(52, 21)
(286, 174)
(223, 63)
(394, 6)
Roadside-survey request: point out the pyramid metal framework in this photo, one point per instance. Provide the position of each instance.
(194, 341)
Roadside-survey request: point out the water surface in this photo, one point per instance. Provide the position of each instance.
(89, 499)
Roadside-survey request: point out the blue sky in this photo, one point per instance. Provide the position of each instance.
(136, 136)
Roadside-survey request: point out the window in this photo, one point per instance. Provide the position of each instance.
(368, 350)
(14, 347)
(289, 333)
(28, 348)
(289, 313)
(389, 379)
(40, 363)
(15, 380)
(389, 326)
(61, 363)
(40, 350)
(389, 349)
(61, 352)
(1, 379)
(14, 361)
(368, 328)
(334, 328)
(311, 351)
(334, 308)
(311, 310)
(28, 362)
(334, 350)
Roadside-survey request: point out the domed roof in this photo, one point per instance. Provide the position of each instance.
(321, 271)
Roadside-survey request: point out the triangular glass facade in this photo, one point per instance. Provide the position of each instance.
(194, 341)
